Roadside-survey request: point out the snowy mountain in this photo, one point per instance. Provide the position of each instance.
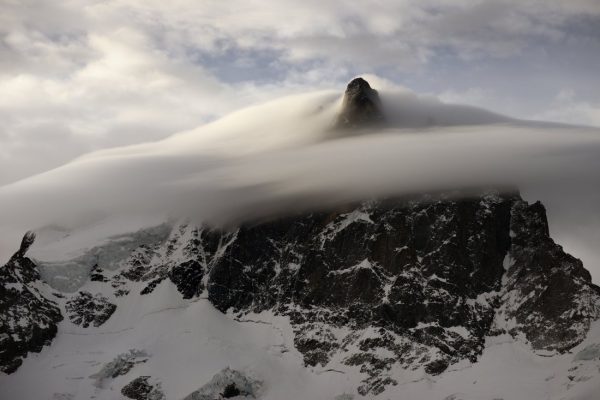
(381, 294)
(438, 296)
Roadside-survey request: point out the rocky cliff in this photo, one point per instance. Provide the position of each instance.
(28, 315)
(410, 282)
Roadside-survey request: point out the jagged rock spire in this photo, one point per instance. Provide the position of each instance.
(26, 243)
(28, 316)
(361, 106)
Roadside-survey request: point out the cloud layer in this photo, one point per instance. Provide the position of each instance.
(77, 76)
(283, 156)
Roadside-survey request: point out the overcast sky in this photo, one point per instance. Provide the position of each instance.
(84, 74)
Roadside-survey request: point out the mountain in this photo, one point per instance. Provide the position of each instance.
(447, 295)
(361, 106)
(28, 315)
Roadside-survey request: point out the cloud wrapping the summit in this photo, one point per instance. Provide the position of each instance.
(77, 76)
(283, 156)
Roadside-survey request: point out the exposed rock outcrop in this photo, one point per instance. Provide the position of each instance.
(227, 383)
(547, 295)
(142, 388)
(422, 280)
(28, 316)
(361, 106)
(86, 309)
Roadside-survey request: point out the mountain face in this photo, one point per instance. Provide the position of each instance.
(411, 283)
(383, 296)
(28, 316)
(427, 280)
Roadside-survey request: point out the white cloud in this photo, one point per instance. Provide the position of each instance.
(567, 108)
(472, 96)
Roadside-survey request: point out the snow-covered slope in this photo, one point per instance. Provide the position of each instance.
(186, 343)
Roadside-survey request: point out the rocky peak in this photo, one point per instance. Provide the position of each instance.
(361, 106)
(26, 243)
(28, 318)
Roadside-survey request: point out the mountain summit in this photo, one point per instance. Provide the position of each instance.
(361, 106)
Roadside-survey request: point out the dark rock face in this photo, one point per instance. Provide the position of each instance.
(141, 389)
(361, 106)
(97, 274)
(407, 273)
(393, 256)
(230, 391)
(86, 309)
(558, 299)
(187, 276)
(28, 317)
(423, 280)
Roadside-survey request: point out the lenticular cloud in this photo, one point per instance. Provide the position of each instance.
(285, 156)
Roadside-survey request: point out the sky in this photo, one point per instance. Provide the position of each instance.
(77, 76)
